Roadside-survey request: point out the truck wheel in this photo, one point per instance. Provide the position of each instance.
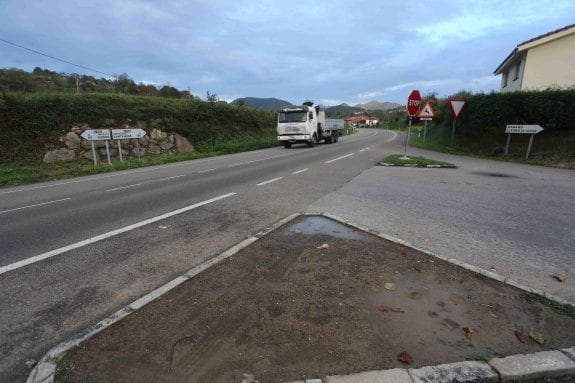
(336, 137)
(311, 143)
(328, 140)
(287, 144)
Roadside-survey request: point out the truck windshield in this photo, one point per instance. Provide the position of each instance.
(292, 116)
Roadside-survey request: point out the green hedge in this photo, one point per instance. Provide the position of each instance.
(32, 124)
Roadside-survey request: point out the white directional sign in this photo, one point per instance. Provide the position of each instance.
(96, 134)
(523, 129)
(126, 134)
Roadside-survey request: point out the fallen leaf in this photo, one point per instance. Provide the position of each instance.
(560, 278)
(537, 337)
(163, 227)
(324, 246)
(405, 358)
(415, 295)
(450, 324)
(467, 331)
(523, 338)
(389, 286)
(387, 309)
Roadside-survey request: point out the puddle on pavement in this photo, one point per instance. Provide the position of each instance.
(316, 225)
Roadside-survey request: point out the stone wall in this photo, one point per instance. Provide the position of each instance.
(155, 142)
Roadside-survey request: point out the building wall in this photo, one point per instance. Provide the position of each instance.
(551, 64)
(511, 80)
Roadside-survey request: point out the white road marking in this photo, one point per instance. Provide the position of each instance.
(251, 162)
(171, 178)
(338, 158)
(38, 204)
(300, 171)
(269, 181)
(123, 187)
(50, 254)
(207, 170)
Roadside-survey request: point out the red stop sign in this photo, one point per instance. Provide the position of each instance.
(413, 102)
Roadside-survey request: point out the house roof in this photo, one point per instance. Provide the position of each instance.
(528, 44)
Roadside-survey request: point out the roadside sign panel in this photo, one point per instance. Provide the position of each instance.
(456, 106)
(427, 112)
(413, 102)
(523, 129)
(96, 134)
(126, 134)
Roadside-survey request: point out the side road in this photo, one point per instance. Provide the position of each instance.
(512, 219)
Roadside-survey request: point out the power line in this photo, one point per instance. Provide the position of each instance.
(56, 58)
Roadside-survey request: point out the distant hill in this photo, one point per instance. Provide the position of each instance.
(375, 105)
(341, 111)
(273, 104)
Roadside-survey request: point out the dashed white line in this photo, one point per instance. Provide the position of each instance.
(171, 178)
(207, 170)
(269, 181)
(38, 204)
(50, 254)
(251, 162)
(300, 171)
(123, 187)
(338, 158)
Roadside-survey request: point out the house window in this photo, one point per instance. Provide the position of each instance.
(517, 68)
(504, 79)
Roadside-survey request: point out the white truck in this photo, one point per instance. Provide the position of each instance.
(304, 124)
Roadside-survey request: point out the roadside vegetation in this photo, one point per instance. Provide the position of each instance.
(480, 129)
(399, 160)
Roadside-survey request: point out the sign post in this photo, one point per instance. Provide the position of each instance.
(97, 135)
(127, 134)
(522, 129)
(413, 105)
(426, 114)
(456, 105)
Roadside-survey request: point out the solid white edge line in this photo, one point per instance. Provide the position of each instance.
(300, 171)
(36, 205)
(269, 181)
(338, 158)
(207, 170)
(50, 254)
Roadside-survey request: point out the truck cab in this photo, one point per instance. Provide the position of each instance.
(303, 124)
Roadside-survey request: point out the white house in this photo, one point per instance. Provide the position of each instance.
(543, 62)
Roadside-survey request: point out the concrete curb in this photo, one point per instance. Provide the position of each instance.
(557, 363)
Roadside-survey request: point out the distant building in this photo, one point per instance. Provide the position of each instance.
(361, 121)
(542, 62)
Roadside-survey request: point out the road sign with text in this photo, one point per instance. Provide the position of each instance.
(413, 102)
(126, 134)
(523, 129)
(96, 134)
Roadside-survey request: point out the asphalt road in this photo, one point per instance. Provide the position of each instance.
(75, 251)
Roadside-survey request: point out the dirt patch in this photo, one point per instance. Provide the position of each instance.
(316, 298)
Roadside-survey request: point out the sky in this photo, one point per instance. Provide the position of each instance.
(331, 51)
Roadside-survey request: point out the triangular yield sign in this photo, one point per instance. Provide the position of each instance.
(456, 106)
(427, 111)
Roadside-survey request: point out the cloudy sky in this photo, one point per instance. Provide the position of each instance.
(330, 51)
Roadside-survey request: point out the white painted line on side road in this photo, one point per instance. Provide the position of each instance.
(38, 204)
(171, 178)
(300, 171)
(50, 254)
(207, 170)
(338, 158)
(123, 187)
(269, 181)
